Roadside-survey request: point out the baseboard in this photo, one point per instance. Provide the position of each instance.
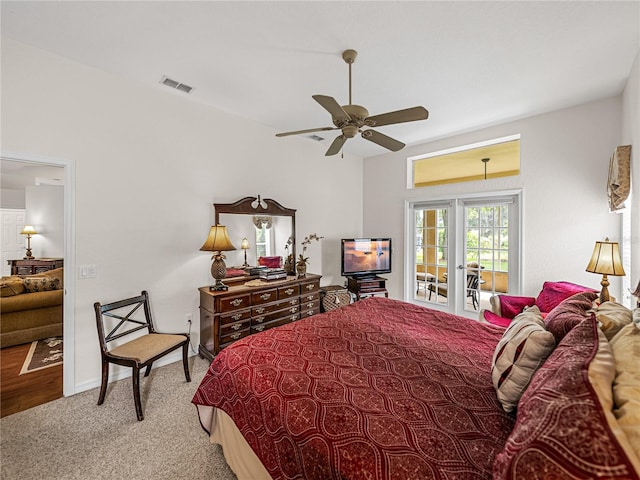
(118, 373)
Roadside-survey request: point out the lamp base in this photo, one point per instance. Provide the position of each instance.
(218, 272)
(604, 293)
(218, 287)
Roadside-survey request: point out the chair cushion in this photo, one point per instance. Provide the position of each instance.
(524, 346)
(512, 305)
(494, 319)
(555, 292)
(147, 346)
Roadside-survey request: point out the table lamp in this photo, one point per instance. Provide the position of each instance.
(606, 261)
(218, 242)
(245, 246)
(28, 230)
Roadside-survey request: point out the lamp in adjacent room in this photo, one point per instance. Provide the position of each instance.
(606, 261)
(245, 246)
(218, 242)
(28, 230)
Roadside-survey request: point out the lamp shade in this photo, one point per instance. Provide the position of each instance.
(28, 230)
(245, 244)
(606, 259)
(218, 240)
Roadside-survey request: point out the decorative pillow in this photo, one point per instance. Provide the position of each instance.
(11, 287)
(612, 317)
(569, 313)
(563, 430)
(626, 386)
(523, 348)
(55, 273)
(494, 319)
(41, 284)
(555, 292)
(511, 305)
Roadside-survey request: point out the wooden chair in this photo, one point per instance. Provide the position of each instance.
(139, 352)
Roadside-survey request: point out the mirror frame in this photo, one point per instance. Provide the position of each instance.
(267, 206)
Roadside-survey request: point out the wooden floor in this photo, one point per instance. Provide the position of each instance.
(20, 392)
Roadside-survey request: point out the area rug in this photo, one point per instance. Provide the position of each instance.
(43, 354)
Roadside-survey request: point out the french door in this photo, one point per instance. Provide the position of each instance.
(463, 250)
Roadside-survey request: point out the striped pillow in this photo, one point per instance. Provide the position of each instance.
(524, 347)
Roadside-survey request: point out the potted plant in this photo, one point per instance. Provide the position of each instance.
(301, 264)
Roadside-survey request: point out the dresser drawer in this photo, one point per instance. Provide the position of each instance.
(309, 297)
(235, 316)
(274, 323)
(308, 306)
(228, 328)
(310, 287)
(262, 319)
(233, 336)
(289, 291)
(264, 296)
(271, 307)
(228, 304)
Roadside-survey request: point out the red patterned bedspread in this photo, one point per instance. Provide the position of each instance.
(379, 389)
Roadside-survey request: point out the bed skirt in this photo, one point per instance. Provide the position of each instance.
(237, 452)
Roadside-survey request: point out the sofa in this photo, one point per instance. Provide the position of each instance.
(31, 307)
(504, 308)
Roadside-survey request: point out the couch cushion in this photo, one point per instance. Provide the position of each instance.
(31, 301)
(569, 313)
(41, 284)
(612, 317)
(555, 292)
(523, 348)
(563, 430)
(626, 386)
(55, 273)
(9, 288)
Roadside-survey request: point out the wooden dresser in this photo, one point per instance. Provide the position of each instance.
(32, 266)
(227, 316)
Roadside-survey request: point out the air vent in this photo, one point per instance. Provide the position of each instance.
(317, 138)
(177, 85)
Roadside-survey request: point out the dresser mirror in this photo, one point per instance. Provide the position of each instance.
(269, 228)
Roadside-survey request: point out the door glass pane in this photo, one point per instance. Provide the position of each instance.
(431, 255)
(486, 254)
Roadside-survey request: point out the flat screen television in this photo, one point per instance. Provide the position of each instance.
(365, 257)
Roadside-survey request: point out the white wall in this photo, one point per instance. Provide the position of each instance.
(564, 168)
(148, 166)
(631, 136)
(10, 198)
(45, 212)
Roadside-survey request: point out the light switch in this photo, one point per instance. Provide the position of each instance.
(87, 271)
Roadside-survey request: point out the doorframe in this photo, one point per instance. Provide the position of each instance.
(68, 307)
(454, 245)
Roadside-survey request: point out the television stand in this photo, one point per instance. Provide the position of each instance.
(363, 286)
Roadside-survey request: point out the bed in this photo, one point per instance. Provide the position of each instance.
(383, 389)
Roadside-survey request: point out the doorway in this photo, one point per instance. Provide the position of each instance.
(66, 176)
(463, 250)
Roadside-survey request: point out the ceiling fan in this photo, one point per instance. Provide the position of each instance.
(352, 118)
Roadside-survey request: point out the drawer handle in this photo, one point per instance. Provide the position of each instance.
(260, 310)
(259, 328)
(309, 313)
(293, 302)
(236, 302)
(293, 309)
(237, 316)
(309, 298)
(236, 336)
(236, 326)
(310, 286)
(294, 318)
(265, 296)
(259, 319)
(289, 291)
(310, 305)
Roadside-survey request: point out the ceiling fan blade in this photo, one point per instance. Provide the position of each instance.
(298, 132)
(399, 116)
(336, 146)
(383, 140)
(333, 107)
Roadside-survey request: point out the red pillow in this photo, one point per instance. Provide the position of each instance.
(569, 313)
(494, 319)
(270, 262)
(555, 292)
(561, 430)
(511, 305)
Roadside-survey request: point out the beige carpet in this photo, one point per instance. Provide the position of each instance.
(73, 438)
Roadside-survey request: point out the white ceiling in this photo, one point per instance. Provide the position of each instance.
(471, 64)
